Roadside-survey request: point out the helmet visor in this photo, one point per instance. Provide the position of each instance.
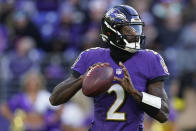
(137, 28)
(131, 33)
(131, 30)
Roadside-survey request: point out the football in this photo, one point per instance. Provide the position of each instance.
(97, 80)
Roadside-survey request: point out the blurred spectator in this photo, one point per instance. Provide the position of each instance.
(23, 26)
(28, 109)
(162, 8)
(21, 60)
(3, 39)
(28, 6)
(78, 13)
(69, 28)
(6, 10)
(170, 31)
(169, 28)
(96, 11)
(90, 38)
(53, 65)
(186, 46)
(18, 62)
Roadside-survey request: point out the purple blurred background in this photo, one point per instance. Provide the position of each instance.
(42, 38)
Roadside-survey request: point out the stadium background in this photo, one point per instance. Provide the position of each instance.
(44, 37)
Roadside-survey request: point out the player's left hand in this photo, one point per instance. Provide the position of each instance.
(126, 81)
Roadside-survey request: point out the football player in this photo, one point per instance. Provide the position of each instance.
(138, 84)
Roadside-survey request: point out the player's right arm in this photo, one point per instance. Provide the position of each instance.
(65, 90)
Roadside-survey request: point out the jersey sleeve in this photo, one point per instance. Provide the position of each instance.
(157, 68)
(80, 65)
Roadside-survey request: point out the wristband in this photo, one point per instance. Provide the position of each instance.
(151, 100)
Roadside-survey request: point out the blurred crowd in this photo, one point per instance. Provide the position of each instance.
(40, 39)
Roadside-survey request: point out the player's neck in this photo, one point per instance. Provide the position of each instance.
(119, 55)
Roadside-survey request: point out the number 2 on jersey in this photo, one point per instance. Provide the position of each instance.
(112, 113)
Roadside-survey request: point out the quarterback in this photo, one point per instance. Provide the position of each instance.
(139, 74)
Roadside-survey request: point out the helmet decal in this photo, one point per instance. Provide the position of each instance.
(115, 14)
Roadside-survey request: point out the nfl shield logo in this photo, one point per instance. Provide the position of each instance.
(118, 71)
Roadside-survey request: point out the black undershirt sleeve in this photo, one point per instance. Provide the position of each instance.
(159, 78)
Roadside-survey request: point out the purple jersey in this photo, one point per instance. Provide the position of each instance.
(116, 110)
